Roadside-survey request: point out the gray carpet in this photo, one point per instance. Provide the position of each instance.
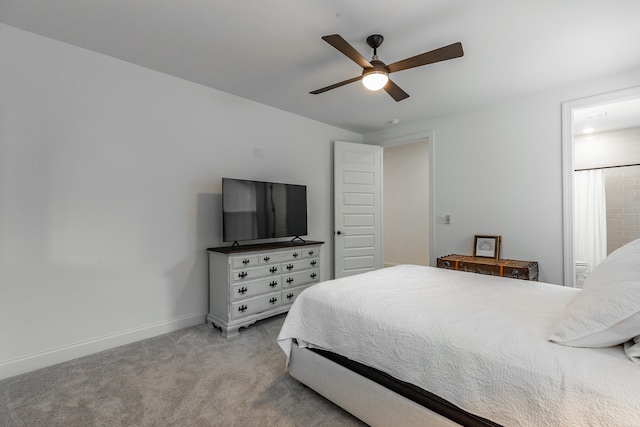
(191, 377)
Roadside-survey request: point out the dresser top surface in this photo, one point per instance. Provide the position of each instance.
(264, 246)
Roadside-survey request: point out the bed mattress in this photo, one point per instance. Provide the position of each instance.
(479, 342)
(409, 391)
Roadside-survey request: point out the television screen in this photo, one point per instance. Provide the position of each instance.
(253, 210)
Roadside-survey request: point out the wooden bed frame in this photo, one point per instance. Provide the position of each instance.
(368, 400)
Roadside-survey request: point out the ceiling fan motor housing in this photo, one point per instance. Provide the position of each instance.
(377, 66)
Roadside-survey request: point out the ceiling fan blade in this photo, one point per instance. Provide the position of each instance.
(394, 90)
(324, 89)
(444, 53)
(343, 46)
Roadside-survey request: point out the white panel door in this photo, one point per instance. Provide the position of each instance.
(357, 208)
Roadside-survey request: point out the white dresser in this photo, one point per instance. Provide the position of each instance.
(253, 282)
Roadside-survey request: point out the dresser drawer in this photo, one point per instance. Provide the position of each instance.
(250, 289)
(255, 305)
(300, 278)
(255, 273)
(292, 255)
(310, 252)
(244, 261)
(281, 256)
(293, 266)
(290, 295)
(270, 258)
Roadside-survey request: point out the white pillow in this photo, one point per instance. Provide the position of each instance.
(607, 311)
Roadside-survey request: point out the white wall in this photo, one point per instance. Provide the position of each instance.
(110, 179)
(498, 171)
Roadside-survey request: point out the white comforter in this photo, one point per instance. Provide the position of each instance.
(478, 341)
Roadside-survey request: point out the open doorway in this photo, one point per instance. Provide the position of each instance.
(601, 153)
(406, 203)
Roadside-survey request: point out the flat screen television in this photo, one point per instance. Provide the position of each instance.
(254, 210)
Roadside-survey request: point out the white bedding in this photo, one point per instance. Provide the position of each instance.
(478, 341)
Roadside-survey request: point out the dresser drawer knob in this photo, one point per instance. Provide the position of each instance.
(242, 275)
(289, 296)
(273, 284)
(246, 261)
(313, 275)
(289, 280)
(273, 269)
(242, 308)
(273, 300)
(310, 253)
(313, 262)
(266, 259)
(242, 290)
(295, 254)
(289, 267)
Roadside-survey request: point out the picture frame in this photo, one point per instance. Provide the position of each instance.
(487, 246)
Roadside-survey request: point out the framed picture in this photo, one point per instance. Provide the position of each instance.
(487, 246)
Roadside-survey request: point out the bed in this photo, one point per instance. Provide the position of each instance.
(414, 345)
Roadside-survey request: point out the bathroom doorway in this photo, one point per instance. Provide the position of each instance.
(601, 172)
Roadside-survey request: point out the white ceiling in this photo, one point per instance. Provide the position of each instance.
(272, 52)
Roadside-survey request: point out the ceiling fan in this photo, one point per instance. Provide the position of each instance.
(375, 73)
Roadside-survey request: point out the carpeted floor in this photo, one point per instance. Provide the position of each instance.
(191, 377)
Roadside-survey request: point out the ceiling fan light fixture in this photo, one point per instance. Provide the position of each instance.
(375, 80)
(375, 73)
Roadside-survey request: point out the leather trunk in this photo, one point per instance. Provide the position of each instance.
(525, 270)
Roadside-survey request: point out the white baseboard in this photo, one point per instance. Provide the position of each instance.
(32, 362)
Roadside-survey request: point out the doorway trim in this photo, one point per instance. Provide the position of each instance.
(568, 110)
(414, 137)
